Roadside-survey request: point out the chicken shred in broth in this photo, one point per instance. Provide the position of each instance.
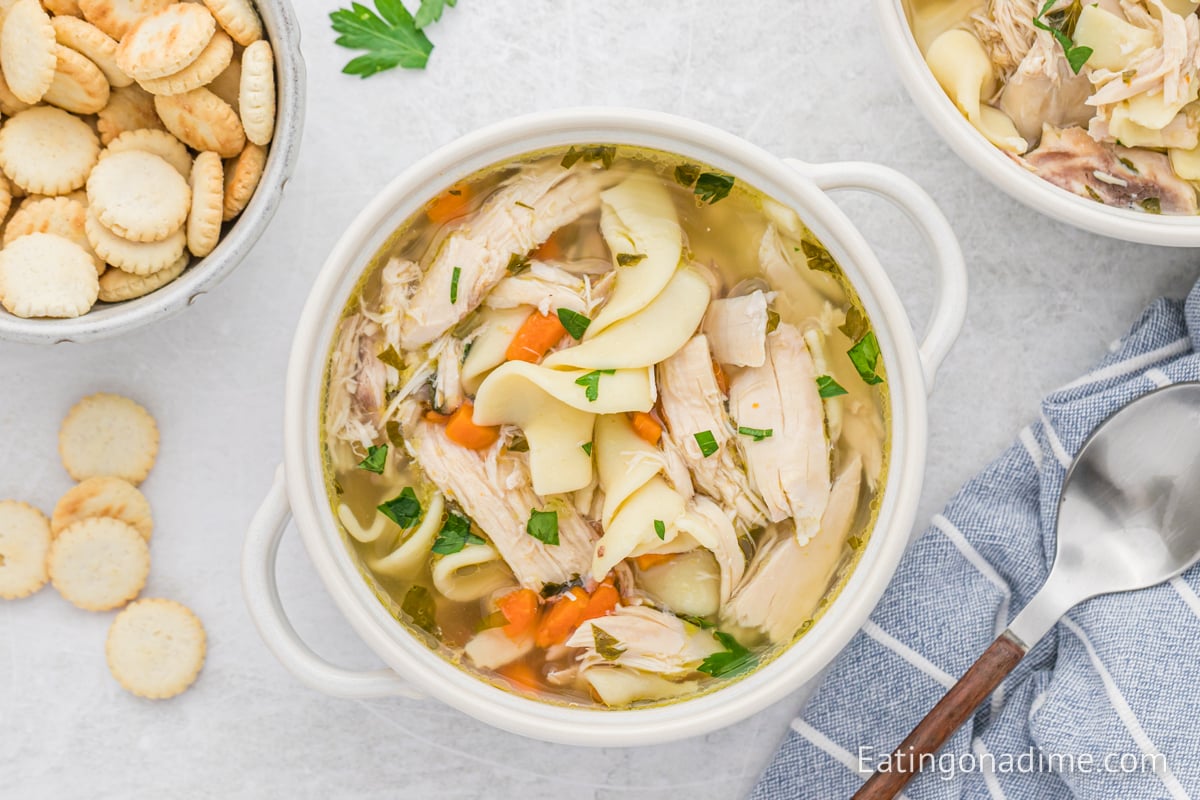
(607, 426)
(1098, 98)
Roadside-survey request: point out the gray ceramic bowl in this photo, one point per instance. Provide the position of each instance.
(112, 320)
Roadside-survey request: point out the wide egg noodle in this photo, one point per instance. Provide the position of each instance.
(471, 573)
(497, 328)
(961, 66)
(406, 560)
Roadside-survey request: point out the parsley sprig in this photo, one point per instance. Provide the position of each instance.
(734, 660)
(1059, 25)
(389, 34)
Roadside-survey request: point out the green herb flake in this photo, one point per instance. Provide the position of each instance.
(1127, 164)
(419, 606)
(523, 205)
(337, 487)
(699, 622)
(827, 387)
(855, 325)
(496, 619)
(660, 529)
(713, 186)
(734, 660)
(608, 646)
(686, 175)
(591, 383)
(1093, 194)
(553, 589)
(454, 276)
(430, 12)
(604, 153)
(1152, 205)
(818, 258)
(517, 263)
(854, 542)
(1061, 25)
(570, 158)
(575, 323)
(757, 434)
(629, 259)
(543, 526)
(1128, 75)
(865, 357)
(808, 623)
(772, 320)
(391, 38)
(392, 359)
(455, 192)
(376, 459)
(404, 509)
(454, 535)
(519, 444)
(586, 447)
(708, 443)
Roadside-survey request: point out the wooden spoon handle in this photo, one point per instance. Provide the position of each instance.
(944, 719)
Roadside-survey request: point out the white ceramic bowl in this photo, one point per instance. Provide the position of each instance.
(1008, 175)
(299, 488)
(103, 321)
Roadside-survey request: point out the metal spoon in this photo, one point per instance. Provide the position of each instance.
(1129, 518)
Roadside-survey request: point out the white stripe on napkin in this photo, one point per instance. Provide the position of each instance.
(989, 775)
(908, 654)
(1032, 446)
(1056, 445)
(1131, 365)
(1189, 596)
(831, 748)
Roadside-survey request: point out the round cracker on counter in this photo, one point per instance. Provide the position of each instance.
(156, 648)
(117, 284)
(207, 182)
(158, 142)
(107, 434)
(238, 18)
(130, 108)
(103, 496)
(256, 93)
(27, 50)
(202, 121)
(166, 41)
(211, 62)
(99, 563)
(63, 216)
(86, 39)
(78, 86)
(241, 179)
(45, 150)
(116, 17)
(137, 258)
(43, 275)
(24, 543)
(138, 196)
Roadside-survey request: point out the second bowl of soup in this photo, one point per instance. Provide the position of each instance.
(604, 427)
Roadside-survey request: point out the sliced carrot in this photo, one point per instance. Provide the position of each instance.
(537, 334)
(603, 600)
(549, 249)
(652, 560)
(451, 205)
(520, 673)
(562, 618)
(722, 379)
(520, 608)
(435, 417)
(646, 427)
(461, 429)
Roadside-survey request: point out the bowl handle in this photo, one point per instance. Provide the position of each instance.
(262, 599)
(950, 305)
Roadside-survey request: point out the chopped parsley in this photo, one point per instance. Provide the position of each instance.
(660, 529)
(586, 447)
(772, 320)
(604, 153)
(404, 509)
(390, 357)
(523, 205)
(454, 284)
(551, 589)
(828, 387)
(865, 357)
(854, 542)
(855, 325)
(1061, 25)
(543, 526)
(734, 660)
(708, 443)
(757, 434)
(454, 535)
(1152, 205)
(575, 323)
(629, 259)
(591, 383)
(393, 433)
(818, 258)
(713, 186)
(608, 646)
(391, 37)
(517, 263)
(418, 604)
(686, 175)
(376, 459)
(699, 622)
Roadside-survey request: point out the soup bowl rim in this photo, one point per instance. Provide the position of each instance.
(428, 672)
(1004, 172)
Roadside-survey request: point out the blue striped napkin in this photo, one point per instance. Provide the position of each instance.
(1107, 706)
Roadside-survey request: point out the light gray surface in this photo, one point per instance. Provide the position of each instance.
(1046, 300)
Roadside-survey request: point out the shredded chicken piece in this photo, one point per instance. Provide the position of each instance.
(1044, 89)
(790, 467)
(518, 217)
(693, 403)
(357, 382)
(1170, 68)
(1006, 30)
(737, 329)
(786, 580)
(398, 280)
(447, 383)
(653, 641)
(1117, 176)
(493, 488)
(544, 286)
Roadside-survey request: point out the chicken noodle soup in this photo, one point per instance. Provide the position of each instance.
(1098, 98)
(605, 425)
